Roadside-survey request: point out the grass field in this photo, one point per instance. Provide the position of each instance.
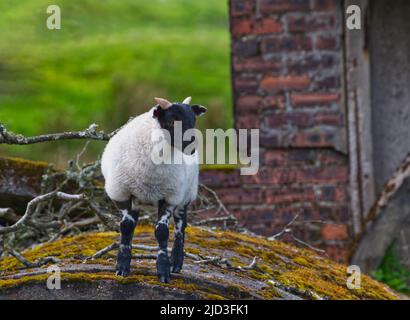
(107, 63)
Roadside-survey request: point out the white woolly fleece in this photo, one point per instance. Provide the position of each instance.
(129, 171)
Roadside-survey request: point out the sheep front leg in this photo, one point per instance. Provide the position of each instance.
(161, 234)
(177, 255)
(127, 226)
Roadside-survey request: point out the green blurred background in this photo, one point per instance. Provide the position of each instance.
(107, 62)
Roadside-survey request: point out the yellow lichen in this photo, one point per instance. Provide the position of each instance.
(285, 264)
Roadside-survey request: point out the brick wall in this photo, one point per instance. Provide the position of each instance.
(287, 76)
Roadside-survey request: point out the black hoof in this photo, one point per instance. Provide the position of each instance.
(163, 268)
(177, 260)
(176, 269)
(164, 278)
(123, 272)
(123, 261)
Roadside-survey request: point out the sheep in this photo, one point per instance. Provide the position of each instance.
(132, 178)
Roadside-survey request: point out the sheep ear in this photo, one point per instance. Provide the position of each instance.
(198, 109)
(164, 104)
(187, 100)
(157, 112)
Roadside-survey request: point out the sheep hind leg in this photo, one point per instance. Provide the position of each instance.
(177, 255)
(161, 234)
(128, 223)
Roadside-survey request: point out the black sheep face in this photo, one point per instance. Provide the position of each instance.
(169, 113)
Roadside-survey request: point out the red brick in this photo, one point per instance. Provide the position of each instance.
(305, 119)
(249, 103)
(245, 26)
(326, 158)
(267, 26)
(241, 195)
(327, 43)
(241, 7)
(287, 44)
(241, 27)
(285, 175)
(314, 138)
(253, 103)
(335, 232)
(324, 174)
(250, 84)
(330, 82)
(273, 176)
(335, 119)
(341, 194)
(304, 64)
(338, 253)
(270, 83)
(218, 178)
(246, 49)
(309, 99)
(310, 24)
(279, 6)
(256, 64)
(274, 102)
(275, 157)
(290, 195)
(326, 5)
(247, 121)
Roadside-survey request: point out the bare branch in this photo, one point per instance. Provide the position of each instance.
(220, 203)
(36, 264)
(286, 229)
(8, 137)
(32, 205)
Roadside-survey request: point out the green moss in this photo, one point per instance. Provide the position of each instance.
(283, 263)
(214, 297)
(301, 261)
(22, 164)
(226, 168)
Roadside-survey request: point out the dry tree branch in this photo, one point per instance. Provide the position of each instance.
(288, 230)
(32, 206)
(8, 137)
(215, 196)
(198, 259)
(36, 264)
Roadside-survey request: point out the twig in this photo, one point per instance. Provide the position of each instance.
(145, 256)
(78, 157)
(308, 245)
(103, 251)
(293, 290)
(220, 203)
(286, 229)
(77, 224)
(216, 219)
(36, 264)
(32, 205)
(8, 137)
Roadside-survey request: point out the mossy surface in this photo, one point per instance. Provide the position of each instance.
(16, 169)
(292, 268)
